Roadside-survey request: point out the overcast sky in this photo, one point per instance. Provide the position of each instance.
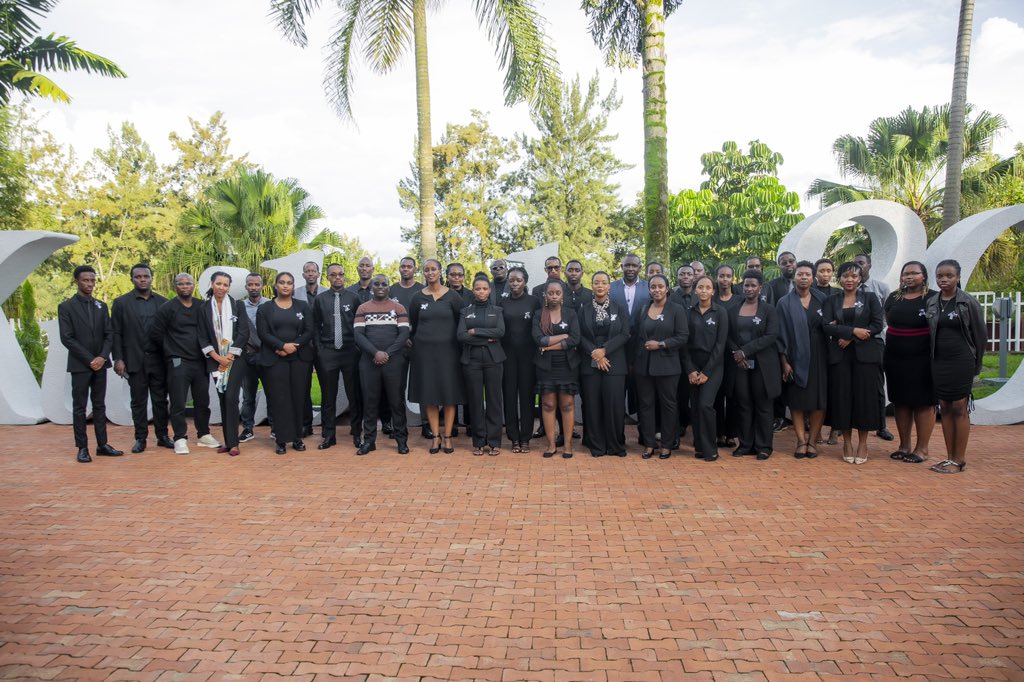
(795, 74)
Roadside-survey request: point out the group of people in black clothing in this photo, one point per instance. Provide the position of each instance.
(728, 357)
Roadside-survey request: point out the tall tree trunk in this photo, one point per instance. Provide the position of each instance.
(957, 107)
(655, 135)
(424, 155)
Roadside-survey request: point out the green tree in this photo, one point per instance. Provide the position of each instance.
(14, 180)
(741, 209)
(570, 197)
(474, 193)
(957, 114)
(29, 334)
(384, 30)
(244, 220)
(628, 32)
(204, 157)
(24, 56)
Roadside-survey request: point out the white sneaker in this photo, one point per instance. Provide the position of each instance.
(181, 447)
(208, 441)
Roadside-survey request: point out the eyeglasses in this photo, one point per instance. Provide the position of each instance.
(552, 267)
(379, 284)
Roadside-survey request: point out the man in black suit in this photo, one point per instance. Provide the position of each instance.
(337, 354)
(85, 331)
(135, 356)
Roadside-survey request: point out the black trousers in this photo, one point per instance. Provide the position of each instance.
(518, 384)
(182, 376)
(484, 402)
(385, 380)
(250, 391)
(285, 382)
(725, 410)
(683, 404)
(86, 385)
(702, 413)
(657, 395)
(307, 400)
(333, 366)
(229, 408)
(145, 385)
(604, 412)
(754, 411)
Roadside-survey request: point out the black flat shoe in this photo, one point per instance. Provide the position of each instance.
(83, 456)
(914, 459)
(698, 455)
(139, 446)
(107, 450)
(647, 454)
(763, 455)
(165, 442)
(550, 454)
(665, 455)
(280, 449)
(403, 448)
(710, 458)
(741, 452)
(299, 446)
(327, 443)
(366, 448)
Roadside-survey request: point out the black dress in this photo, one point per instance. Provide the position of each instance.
(853, 389)
(436, 374)
(908, 367)
(813, 396)
(954, 365)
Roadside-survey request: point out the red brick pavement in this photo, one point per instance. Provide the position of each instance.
(320, 565)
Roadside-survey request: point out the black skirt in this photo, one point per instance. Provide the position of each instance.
(561, 378)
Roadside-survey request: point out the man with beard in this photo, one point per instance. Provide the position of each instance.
(577, 294)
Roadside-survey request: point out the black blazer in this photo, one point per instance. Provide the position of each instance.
(570, 325)
(868, 316)
(208, 337)
(85, 331)
(705, 346)
(672, 330)
(763, 349)
(130, 341)
(323, 328)
(972, 323)
(488, 328)
(270, 340)
(614, 347)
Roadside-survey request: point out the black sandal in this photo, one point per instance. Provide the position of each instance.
(812, 452)
(899, 454)
(914, 458)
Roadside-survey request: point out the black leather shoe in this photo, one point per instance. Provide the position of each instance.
(280, 449)
(387, 429)
(427, 433)
(884, 434)
(140, 446)
(83, 456)
(539, 433)
(711, 458)
(327, 443)
(763, 455)
(698, 455)
(107, 450)
(299, 446)
(307, 431)
(403, 448)
(366, 448)
(741, 452)
(357, 439)
(165, 441)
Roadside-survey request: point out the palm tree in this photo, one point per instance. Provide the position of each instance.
(628, 31)
(957, 113)
(244, 220)
(384, 29)
(902, 159)
(24, 55)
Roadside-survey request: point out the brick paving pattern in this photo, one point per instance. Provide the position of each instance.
(323, 565)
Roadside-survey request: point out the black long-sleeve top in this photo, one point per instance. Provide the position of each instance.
(131, 318)
(278, 326)
(488, 324)
(323, 317)
(176, 330)
(381, 326)
(705, 346)
(519, 314)
(85, 331)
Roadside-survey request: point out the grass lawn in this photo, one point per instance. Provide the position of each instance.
(990, 370)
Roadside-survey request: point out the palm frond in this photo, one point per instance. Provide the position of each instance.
(524, 52)
(386, 32)
(339, 71)
(290, 17)
(33, 83)
(60, 53)
(19, 24)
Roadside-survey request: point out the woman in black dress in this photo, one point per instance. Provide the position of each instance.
(661, 332)
(702, 356)
(853, 320)
(604, 331)
(958, 337)
(726, 414)
(908, 365)
(519, 379)
(224, 331)
(804, 356)
(556, 334)
(285, 328)
(436, 375)
(481, 328)
(753, 332)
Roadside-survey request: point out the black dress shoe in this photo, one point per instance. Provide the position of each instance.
(165, 441)
(327, 443)
(711, 458)
(884, 434)
(387, 429)
(426, 432)
(307, 431)
(83, 456)
(140, 446)
(403, 448)
(357, 438)
(741, 452)
(539, 433)
(107, 450)
(698, 455)
(299, 446)
(366, 448)
(764, 454)
(280, 449)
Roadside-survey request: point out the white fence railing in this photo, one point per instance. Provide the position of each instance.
(1014, 341)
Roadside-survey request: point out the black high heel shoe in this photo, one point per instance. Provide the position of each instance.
(448, 449)
(435, 445)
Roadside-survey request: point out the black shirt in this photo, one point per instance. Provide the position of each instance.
(177, 328)
(403, 295)
(578, 298)
(685, 300)
(519, 314)
(363, 293)
(323, 317)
